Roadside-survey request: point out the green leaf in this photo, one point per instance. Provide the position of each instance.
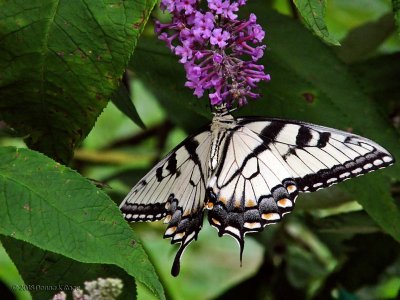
(373, 193)
(54, 272)
(346, 223)
(396, 11)
(54, 208)
(355, 47)
(10, 276)
(382, 83)
(303, 266)
(313, 13)
(165, 77)
(122, 100)
(60, 62)
(366, 259)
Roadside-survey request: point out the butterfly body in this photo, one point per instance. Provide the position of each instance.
(246, 173)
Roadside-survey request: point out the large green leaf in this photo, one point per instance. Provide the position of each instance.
(382, 84)
(315, 88)
(161, 72)
(60, 62)
(54, 208)
(313, 13)
(53, 272)
(396, 11)
(355, 47)
(366, 258)
(122, 100)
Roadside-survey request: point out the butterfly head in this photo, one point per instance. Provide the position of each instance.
(222, 110)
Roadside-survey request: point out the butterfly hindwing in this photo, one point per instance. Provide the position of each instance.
(266, 162)
(175, 189)
(251, 187)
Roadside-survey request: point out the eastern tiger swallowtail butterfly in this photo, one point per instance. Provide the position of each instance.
(246, 173)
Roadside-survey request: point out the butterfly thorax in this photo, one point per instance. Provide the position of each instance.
(220, 125)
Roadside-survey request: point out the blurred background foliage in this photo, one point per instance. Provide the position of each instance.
(333, 245)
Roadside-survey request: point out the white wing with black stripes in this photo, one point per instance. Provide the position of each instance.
(175, 189)
(265, 163)
(318, 156)
(247, 173)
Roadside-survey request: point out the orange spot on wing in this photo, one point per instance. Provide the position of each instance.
(250, 203)
(167, 219)
(209, 205)
(291, 188)
(215, 221)
(252, 225)
(223, 200)
(270, 216)
(284, 202)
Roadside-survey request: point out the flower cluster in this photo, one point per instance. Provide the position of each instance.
(100, 289)
(219, 52)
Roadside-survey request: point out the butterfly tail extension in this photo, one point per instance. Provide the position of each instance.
(191, 231)
(181, 229)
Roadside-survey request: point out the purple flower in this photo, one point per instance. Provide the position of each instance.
(215, 98)
(257, 32)
(229, 11)
(185, 5)
(185, 52)
(203, 24)
(168, 5)
(219, 52)
(218, 6)
(219, 37)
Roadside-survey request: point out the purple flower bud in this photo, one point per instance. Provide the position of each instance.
(258, 52)
(257, 32)
(215, 98)
(218, 58)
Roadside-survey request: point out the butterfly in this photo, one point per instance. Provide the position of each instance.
(245, 173)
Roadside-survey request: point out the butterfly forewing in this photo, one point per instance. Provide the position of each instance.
(318, 156)
(175, 189)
